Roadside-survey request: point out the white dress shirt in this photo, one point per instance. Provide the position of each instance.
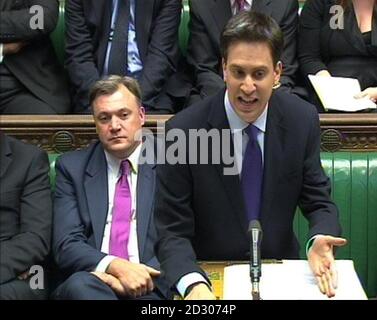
(113, 175)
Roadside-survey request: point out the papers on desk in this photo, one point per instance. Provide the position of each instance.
(337, 93)
(290, 280)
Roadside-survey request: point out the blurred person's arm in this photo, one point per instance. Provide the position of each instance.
(32, 243)
(21, 24)
(309, 40)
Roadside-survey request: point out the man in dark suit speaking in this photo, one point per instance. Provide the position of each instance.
(203, 210)
(207, 20)
(103, 229)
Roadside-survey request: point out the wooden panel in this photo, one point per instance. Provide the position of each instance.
(60, 133)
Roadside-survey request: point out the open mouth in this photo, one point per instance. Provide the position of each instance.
(247, 102)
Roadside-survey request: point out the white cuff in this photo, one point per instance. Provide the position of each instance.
(104, 263)
(189, 279)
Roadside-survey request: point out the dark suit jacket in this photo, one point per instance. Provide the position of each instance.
(35, 65)
(342, 52)
(200, 212)
(207, 20)
(88, 27)
(80, 211)
(25, 207)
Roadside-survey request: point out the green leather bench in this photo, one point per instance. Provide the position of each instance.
(354, 189)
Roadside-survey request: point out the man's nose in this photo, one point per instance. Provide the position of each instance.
(248, 85)
(114, 123)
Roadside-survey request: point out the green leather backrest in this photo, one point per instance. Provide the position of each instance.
(183, 27)
(57, 36)
(52, 158)
(354, 189)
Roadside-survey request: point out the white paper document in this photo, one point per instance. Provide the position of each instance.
(290, 280)
(337, 93)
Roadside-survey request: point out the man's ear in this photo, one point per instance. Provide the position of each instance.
(278, 70)
(142, 115)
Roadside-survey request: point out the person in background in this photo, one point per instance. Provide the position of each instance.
(208, 18)
(31, 79)
(25, 220)
(331, 44)
(137, 38)
(203, 211)
(103, 228)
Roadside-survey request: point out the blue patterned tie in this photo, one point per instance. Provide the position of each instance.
(252, 174)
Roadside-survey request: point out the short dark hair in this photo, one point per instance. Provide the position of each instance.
(250, 26)
(110, 84)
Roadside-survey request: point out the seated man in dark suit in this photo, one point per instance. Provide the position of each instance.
(203, 209)
(31, 79)
(25, 220)
(208, 18)
(104, 233)
(137, 38)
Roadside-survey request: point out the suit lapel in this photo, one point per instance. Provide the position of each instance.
(144, 203)
(5, 154)
(217, 119)
(221, 12)
(143, 20)
(273, 150)
(96, 189)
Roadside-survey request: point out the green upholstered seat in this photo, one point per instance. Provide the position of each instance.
(183, 28)
(57, 36)
(52, 158)
(354, 189)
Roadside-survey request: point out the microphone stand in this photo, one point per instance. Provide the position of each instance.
(255, 233)
(255, 291)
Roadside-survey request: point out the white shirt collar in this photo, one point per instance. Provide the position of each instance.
(114, 162)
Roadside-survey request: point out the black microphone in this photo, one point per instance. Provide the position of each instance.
(255, 234)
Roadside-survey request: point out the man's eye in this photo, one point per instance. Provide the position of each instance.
(259, 74)
(238, 73)
(103, 118)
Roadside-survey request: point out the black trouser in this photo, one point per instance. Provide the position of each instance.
(15, 98)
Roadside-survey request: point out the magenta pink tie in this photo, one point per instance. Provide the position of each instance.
(240, 5)
(120, 225)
